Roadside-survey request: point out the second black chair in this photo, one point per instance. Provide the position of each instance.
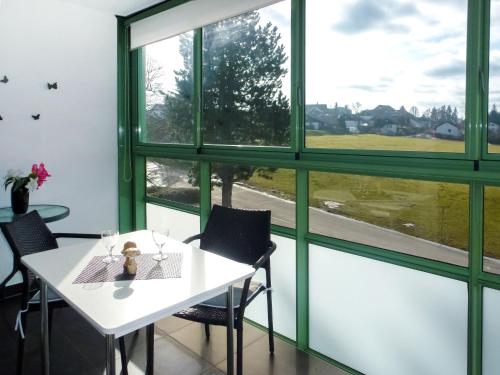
(29, 235)
(243, 236)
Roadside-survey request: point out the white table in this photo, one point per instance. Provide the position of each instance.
(120, 307)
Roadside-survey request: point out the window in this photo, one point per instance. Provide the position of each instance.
(245, 186)
(173, 180)
(386, 75)
(168, 81)
(491, 251)
(246, 79)
(422, 218)
(494, 95)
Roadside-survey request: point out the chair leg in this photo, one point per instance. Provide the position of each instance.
(4, 283)
(270, 321)
(20, 346)
(239, 350)
(51, 313)
(207, 331)
(123, 355)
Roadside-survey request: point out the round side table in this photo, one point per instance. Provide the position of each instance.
(48, 212)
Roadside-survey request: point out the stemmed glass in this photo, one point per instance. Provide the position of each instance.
(160, 239)
(110, 239)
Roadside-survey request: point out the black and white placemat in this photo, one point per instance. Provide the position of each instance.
(147, 268)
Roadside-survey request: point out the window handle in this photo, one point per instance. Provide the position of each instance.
(481, 81)
(299, 96)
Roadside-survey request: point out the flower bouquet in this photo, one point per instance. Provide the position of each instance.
(23, 185)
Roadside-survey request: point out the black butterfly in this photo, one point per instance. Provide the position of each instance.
(4, 79)
(1, 118)
(36, 117)
(52, 86)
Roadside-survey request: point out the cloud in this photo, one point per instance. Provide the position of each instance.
(278, 18)
(455, 68)
(365, 15)
(425, 91)
(494, 68)
(457, 3)
(370, 88)
(444, 36)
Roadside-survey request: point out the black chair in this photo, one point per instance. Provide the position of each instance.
(243, 236)
(28, 235)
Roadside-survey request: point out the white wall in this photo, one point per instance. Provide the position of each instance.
(44, 41)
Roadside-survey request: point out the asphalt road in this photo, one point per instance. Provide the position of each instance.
(322, 222)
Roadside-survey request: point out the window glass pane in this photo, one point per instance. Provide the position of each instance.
(386, 75)
(491, 249)
(494, 97)
(173, 180)
(244, 186)
(422, 218)
(168, 80)
(246, 79)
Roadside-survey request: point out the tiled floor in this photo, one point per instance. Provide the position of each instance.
(180, 348)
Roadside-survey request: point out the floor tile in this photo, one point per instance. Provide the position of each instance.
(213, 350)
(286, 360)
(170, 358)
(78, 349)
(171, 324)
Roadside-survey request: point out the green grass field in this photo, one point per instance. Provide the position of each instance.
(383, 142)
(431, 210)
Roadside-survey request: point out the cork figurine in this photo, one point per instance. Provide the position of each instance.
(130, 251)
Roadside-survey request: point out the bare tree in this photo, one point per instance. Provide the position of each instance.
(154, 72)
(356, 108)
(414, 111)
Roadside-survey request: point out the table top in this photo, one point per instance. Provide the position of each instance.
(121, 307)
(48, 212)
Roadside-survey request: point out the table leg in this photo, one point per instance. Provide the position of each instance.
(44, 313)
(230, 327)
(110, 355)
(150, 345)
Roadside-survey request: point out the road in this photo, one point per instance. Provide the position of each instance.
(322, 222)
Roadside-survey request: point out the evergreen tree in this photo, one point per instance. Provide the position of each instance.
(243, 101)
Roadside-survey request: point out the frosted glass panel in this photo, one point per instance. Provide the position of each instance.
(181, 224)
(491, 331)
(383, 319)
(283, 282)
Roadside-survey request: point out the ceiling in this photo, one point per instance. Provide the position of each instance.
(118, 7)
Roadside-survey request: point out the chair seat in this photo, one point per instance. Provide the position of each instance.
(214, 310)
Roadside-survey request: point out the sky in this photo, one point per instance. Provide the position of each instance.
(392, 52)
(495, 54)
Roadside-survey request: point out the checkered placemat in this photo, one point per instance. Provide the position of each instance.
(147, 268)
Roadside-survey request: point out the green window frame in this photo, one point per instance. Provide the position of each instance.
(476, 167)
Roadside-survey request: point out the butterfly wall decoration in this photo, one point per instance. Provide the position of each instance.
(52, 86)
(1, 118)
(36, 117)
(4, 79)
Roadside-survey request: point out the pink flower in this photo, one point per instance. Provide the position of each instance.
(40, 173)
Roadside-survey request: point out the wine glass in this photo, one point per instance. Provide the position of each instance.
(110, 239)
(160, 239)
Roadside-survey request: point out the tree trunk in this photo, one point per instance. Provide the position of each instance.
(227, 190)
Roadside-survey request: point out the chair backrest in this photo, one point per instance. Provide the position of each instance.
(28, 234)
(240, 235)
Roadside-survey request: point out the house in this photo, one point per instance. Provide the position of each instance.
(352, 126)
(390, 129)
(447, 130)
(321, 117)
